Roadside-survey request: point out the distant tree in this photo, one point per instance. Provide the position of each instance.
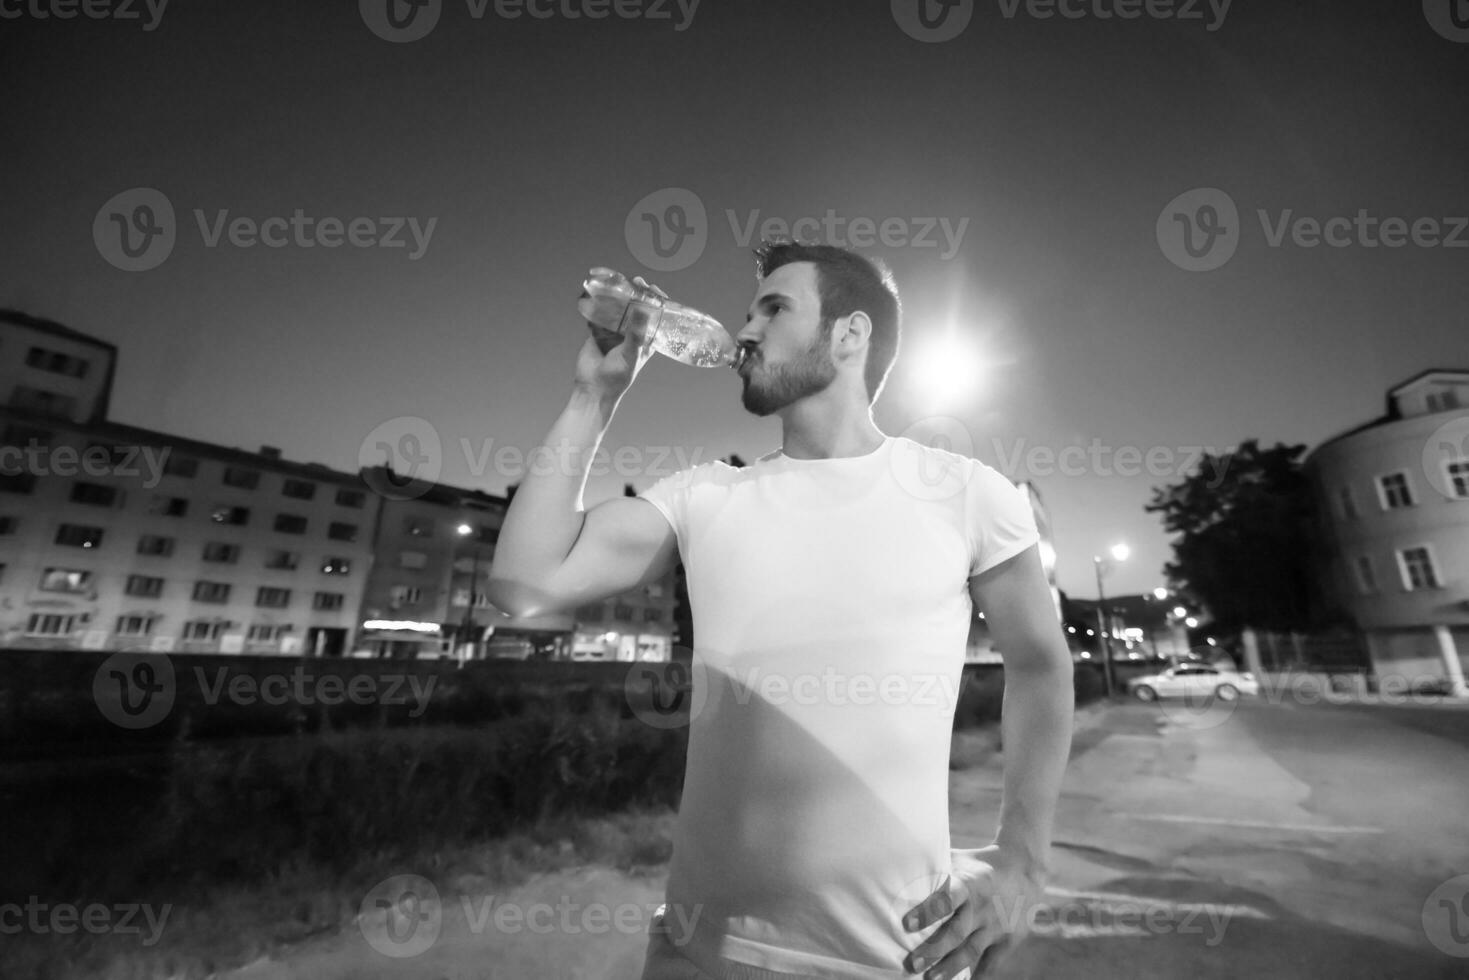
(1245, 549)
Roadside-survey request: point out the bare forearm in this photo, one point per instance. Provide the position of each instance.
(546, 515)
(1036, 726)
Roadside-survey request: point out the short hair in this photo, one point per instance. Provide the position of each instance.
(847, 282)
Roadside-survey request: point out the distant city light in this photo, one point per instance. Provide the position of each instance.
(400, 624)
(1160, 593)
(1191, 622)
(1120, 552)
(1180, 611)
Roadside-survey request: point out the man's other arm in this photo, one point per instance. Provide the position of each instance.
(1038, 703)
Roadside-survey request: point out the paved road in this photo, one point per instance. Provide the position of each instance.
(1269, 840)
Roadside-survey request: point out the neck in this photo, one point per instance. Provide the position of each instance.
(825, 426)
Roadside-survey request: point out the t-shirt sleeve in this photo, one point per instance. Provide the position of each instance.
(671, 496)
(1000, 519)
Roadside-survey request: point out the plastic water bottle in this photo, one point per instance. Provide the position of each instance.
(611, 305)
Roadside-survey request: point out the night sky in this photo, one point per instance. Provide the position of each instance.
(1054, 143)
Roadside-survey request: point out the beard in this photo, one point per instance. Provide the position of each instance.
(771, 387)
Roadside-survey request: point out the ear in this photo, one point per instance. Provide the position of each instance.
(853, 330)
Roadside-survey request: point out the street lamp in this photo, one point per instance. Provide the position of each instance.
(1119, 553)
(467, 629)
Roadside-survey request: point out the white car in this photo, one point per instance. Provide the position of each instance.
(1194, 681)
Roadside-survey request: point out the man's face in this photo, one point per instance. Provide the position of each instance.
(791, 359)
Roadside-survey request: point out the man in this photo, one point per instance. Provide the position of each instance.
(832, 584)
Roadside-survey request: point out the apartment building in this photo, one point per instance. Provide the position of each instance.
(117, 537)
(1395, 495)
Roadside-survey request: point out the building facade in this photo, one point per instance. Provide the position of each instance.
(1395, 498)
(115, 537)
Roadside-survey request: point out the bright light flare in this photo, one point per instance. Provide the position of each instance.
(949, 367)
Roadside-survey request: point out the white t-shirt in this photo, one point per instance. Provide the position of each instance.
(831, 610)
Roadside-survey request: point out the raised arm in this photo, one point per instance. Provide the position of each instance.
(552, 554)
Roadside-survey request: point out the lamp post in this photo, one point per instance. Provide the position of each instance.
(467, 629)
(1119, 553)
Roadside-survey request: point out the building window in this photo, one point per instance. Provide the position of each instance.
(266, 632)
(242, 477)
(225, 514)
(279, 558)
(327, 601)
(26, 436)
(336, 566)
(8, 525)
(50, 624)
(650, 615)
(1417, 568)
(590, 613)
(417, 527)
(211, 591)
(148, 586)
(405, 595)
(1395, 491)
(165, 506)
(95, 494)
(272, 597)
(203, 629)
(300, 489)
(79, 536)
(56, 362)
(1366, 576)
(17, 482)
(220, 551)
(41, 402)
(351, 498)
(134, 625)
(339, 531)
(106, 454)
(1458, 474)
(65, 580)
(1443, 401)
(412, 559)
(622, 612)
(155, 544)
(487, 535)
(1348, 504)
(290, 523)
(176, 465)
